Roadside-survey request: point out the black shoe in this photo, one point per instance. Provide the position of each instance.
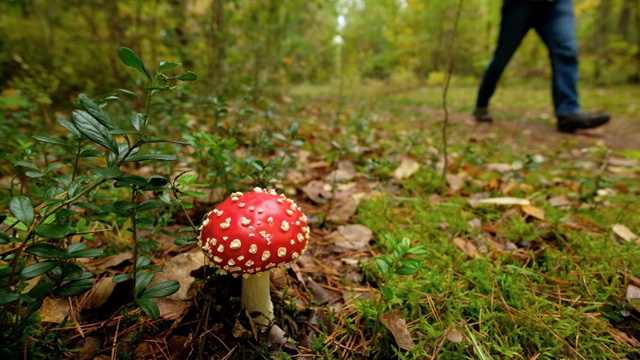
(482, 114)
(581, 120)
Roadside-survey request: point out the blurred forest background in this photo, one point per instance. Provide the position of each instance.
(51, 50)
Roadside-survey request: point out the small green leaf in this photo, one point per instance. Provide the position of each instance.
(41, 290)
(130, 58)
(129, 92)
(35, 174)
(79, 250)
(107, 173)
(54, 231)
(387, 292)
(50, 140)
(33, 270)
(129, 180)
(94, 130)
(8, 297)
(122, 132)
(418, 250)
(121, 278)
(166, 65)
(185, 240)
(45, 251)
(408, 268)
(27, 165)
(69, 126)
(168, 141)
(195, 194)
(143, 261)
(149, 307)
(145, 157)
(91, 152)
(4, 238)
(150, 204)
(162, 289)
(383, 265)
(137, 121)
(22, 209)
(74, 288)
(96, 111)
(143, 278)
(188, 76)
(72, 271)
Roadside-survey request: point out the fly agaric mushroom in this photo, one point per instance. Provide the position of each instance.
(251, 233)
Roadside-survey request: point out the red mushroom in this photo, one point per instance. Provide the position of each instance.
(250, 233)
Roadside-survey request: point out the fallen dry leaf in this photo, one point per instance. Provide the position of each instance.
(624, 233)
(533, 211)
(353, 236)
(99, 293)
(398, 328)
(320, 294)
(102, 263)
(456, 181)
(467, 247)
(454, 335)
(505, 201)
(346, 171)
(179, 268)
(317, 191)
(633, 294)
(344, 210)
(276, 337)
(406, 168)
(172, 309)
(54, 309)
(560, 201)
(499, 167)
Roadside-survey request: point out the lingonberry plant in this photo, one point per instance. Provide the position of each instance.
(45, 227)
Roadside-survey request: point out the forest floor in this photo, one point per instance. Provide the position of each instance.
(530, 240)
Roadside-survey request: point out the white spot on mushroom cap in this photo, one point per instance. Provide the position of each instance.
(265, 255)
(217, 259)
(235, 244)
(270, 220)
(282, 252)
(241, 205)
(253, 249)
(244, 221)
(226, 224)
(285, 225)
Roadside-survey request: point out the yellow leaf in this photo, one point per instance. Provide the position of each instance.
(533, 211)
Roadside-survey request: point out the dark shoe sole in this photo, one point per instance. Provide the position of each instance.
(569, 124)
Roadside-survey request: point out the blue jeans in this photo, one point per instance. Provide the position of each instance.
(554, 21)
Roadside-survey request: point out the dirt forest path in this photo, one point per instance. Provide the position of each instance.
(622, 133)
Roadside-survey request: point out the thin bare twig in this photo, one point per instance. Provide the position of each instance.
(445, 91)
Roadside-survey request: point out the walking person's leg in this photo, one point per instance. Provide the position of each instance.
(514, 25)
(556, 26)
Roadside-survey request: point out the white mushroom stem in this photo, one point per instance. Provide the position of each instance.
(256, 297)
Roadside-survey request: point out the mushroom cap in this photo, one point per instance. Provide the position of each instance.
(253, 232)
